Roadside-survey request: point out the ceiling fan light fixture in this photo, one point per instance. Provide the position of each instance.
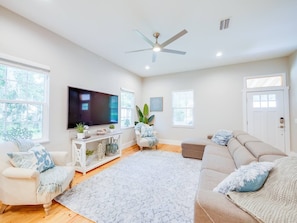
(157, 48)
(219, 54)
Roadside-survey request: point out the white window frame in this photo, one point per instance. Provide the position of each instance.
(191, 125)
(38, 68)
(123, 90)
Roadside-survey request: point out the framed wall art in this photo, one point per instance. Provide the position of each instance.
(156, 104)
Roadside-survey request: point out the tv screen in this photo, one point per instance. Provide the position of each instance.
(91, 107)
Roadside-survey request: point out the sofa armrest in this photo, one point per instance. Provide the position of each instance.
(20, 173)
(59, 158)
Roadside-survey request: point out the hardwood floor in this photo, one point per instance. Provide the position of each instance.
(59, 213)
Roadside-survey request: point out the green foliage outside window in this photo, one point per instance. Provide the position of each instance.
(22, 100)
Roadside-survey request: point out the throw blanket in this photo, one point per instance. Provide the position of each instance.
(51, 182)
(276, 201)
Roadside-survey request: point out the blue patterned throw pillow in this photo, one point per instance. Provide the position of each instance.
(24, 144)
(147, 131)
(247, 178)
(44, 160)
(36, 158)
(222, 137)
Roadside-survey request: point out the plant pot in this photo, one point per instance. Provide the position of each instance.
(81, 135)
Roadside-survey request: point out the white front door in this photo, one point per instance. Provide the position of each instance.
(266, 117)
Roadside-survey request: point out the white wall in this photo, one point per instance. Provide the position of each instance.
(70, 66)
(218, 97)
(218, 91)
(293, 100)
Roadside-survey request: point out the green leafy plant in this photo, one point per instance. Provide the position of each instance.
(80, 127)
(16, 133)
(143, 116)
(89, 152)
(112, 126)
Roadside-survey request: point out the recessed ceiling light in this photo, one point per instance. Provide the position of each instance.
(147, 67)
(219, 54)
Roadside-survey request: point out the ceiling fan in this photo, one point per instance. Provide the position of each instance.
(156, 47)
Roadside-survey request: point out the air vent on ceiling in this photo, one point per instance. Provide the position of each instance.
(224, 24)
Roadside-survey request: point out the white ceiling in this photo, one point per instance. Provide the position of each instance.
(259, 29)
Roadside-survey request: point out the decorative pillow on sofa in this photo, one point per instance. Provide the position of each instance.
(222, 137)
(245, 179)
(147, 131)
(24, 144)
(36, 158)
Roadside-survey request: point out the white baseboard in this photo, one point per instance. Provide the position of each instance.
(161, 141)
(128, 144)
(170, 142)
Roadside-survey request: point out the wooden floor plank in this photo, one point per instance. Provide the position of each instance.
(59, 213)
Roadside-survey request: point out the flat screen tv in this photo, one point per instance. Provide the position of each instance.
(91, 107)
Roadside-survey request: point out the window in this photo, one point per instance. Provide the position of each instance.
(127, 108)
(266, 81)
(264, 101)
(23, 102)
(183, 106)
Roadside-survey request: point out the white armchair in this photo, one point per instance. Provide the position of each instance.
(145, 136)
(23, 186)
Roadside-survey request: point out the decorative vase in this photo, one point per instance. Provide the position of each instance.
(111, 149)
(101, 148)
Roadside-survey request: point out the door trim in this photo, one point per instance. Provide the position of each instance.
(286, 111)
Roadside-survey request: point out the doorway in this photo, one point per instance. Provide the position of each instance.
(267, 116)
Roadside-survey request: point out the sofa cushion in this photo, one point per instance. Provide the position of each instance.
(242, 157)
(213, 207)
(259, 149)
(209, 179)
(218, 159)
(270, 158)
(243, 139)
(238, 132)
(245, 179)
(233, 145)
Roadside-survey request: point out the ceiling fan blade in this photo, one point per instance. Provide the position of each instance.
(135, 51)
(154, 57)
(173, 51)
(180, 34)
(145, 38)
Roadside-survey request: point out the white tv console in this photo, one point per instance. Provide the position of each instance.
(97, 144)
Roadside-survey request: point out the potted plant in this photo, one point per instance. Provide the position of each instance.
(90, 156)
(111, 127)
(80, 127)
(143, 116)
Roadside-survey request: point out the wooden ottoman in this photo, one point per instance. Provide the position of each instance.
(194, 148)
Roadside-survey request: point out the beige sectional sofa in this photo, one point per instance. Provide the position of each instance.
(217, 163)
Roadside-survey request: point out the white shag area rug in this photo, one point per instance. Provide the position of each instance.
(149, 186)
